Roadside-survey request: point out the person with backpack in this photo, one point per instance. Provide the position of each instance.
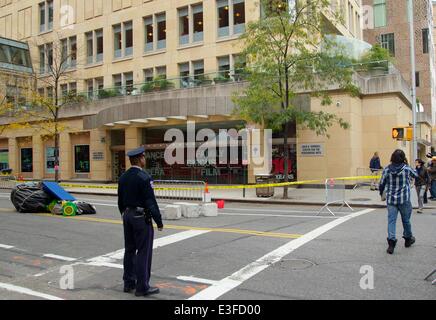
(396, 179)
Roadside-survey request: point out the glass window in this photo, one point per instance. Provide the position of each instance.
(50, 56)
(425, 41)
(42, 17)
(27, 160)
(117, 41)
(89, 47)
(64, 51)
(223, 18)
(73, 87)
(148, 75)
(148, 21)
(4, 159)
(198, 69)
(41, 59)
(161, 31)
(128, 79)
(117, 81)
(388, 42)
(50, 14)
(128, 30)
(73, 52)
(183, 26)
(161, 72)
(239, 16)
(64, 90)
(417, 79)
(379, 13)
(99, 41)
(197, 12)
(81, 159)
(184, 74)
(224, 66)
(90, 88)
(50, 159)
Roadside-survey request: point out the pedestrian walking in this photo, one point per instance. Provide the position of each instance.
(421, 183)
(396, 179)
(375, 167)
(432, 173)
(138, 206)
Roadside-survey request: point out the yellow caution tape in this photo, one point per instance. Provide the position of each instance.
(254, 186)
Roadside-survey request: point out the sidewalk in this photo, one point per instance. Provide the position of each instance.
(360, 197)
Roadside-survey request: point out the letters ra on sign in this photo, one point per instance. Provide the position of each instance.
(312, 150)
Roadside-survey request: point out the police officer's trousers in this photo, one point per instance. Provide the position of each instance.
(138, 240)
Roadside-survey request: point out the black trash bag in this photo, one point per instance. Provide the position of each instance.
(85, 208)
(30, 198)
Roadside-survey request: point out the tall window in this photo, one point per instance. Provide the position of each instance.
(224, 66)
(197, 17)
(425, 40)
(81, 159)
(231, 17)
(388, 42)
(42, 60)
(128, 31)
(26, 160)
(183, 25)
(46, 16)
(118, 41)
(417, 80)
(190, 24)
(198, 67)
(4, 159)
(94, 46)
(379, 13)
(69, 52)
(184, 74)
(155, 32)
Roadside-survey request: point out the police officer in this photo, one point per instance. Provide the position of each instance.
(138, 205)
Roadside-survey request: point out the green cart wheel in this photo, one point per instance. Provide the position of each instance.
(69, 209)
(51, 205)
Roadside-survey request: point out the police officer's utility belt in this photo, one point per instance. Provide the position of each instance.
(138, 211)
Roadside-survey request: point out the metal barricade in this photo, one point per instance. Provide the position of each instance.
(367, 172)
(334, 193)
(7, 182)
(179, 190)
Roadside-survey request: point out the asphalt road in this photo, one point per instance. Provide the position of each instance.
(247, 252)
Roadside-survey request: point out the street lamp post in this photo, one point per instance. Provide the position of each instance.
(413, 75)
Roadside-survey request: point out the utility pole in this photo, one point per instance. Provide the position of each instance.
(413, 75)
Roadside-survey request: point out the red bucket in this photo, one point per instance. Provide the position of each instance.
(220, 204)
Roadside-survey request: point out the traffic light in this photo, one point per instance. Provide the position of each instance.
(402, 133)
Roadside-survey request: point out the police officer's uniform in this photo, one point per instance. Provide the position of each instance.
(138, 205)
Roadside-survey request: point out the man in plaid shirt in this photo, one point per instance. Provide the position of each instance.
(396, 179)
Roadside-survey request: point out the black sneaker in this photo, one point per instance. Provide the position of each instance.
(392, 244)
(152, 290)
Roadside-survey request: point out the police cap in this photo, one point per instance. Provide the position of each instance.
(136, 153)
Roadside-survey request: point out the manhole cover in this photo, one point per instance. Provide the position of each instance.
(295, 264)
(361, 199)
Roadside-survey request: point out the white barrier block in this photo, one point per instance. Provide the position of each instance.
(192, 210)
(182, 207)
(209, 210)
(172, 212)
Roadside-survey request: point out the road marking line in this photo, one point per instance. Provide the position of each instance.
(236, 279)
(272, 215)
(26, 291)
(198, 280)
(4, 246)
(56, 257)
(176, 227)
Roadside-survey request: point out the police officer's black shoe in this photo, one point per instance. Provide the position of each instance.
(128, 289)
(152, 290)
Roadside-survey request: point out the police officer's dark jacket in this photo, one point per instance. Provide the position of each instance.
(135, 190)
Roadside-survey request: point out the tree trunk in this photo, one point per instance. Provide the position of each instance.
(56, 155)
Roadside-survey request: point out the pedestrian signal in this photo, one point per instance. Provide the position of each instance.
(402, 134)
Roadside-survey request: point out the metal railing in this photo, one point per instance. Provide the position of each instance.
(367, 172)
(335, 194)
(162, 84)
(179, 190)
(7, 182)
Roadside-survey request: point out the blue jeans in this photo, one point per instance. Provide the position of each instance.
(433, 189)
(405, 210)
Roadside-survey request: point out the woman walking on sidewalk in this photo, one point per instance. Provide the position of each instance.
(421, 183)
(396, 179)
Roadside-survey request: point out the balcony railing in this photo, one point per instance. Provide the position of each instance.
(162, 84)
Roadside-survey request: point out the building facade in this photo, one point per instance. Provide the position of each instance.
(149, 65)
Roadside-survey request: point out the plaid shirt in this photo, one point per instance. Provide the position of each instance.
(397, 182)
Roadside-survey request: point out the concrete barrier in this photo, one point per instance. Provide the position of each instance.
(209, 210)
(172, 212)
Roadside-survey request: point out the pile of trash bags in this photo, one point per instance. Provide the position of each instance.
(31, 198)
